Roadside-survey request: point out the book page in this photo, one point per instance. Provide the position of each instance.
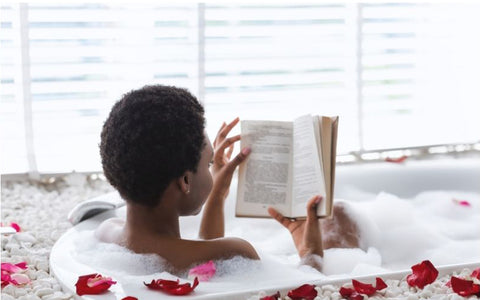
(264, 179)
(308, 179)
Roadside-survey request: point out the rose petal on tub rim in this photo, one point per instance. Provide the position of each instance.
(363, 288)
(305, 291)
(82, 286)
(172, 287)
(380, 284)
(422, 274)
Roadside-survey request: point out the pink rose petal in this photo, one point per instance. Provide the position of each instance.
(99, 280)
(15, 226)
(18, 279)
(203, 272)
(461, 202)
(13, 268)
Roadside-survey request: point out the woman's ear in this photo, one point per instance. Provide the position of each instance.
(185, 182)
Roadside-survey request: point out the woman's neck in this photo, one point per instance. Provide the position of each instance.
(159, 220)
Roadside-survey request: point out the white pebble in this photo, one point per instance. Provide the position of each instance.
(327, 293)
(31, 274)
(455, 297)
(25, 237)
(55, 235)
(7, 296)
(329, 287)
(57, 296)
(42, 274)
(412, 297)
(44, 291)
(336, 296)
(42, 265)
(12, 248)
(56, 287)
(20, 292)
(51, 297)
(426, 294)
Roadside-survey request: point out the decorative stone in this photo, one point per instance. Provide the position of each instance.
(44, 291)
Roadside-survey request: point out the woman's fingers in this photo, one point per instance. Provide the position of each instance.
(279, 217)
(312, 205)
(238, 159)
(220, 150)
(225, 130)
(215, 142)
(229, 152)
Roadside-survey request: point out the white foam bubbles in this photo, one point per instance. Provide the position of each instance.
(344, 261)
(115, 259)
(395, 234)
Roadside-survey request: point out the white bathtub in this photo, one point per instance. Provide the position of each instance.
(362, 181)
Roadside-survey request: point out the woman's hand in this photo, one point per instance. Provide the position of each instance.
(306, 234)
(212, 225)
(223, 168)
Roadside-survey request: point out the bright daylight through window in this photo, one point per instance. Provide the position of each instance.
(398, 75)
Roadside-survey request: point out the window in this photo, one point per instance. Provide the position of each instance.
(398, 75)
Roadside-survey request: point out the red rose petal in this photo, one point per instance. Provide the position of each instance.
(397, 159)
(93, 284)
(346, 292)
(275, 296)
(350, 294)
(423, 273)
(129, 298)
(449, 283)
(476, 273)
(172, 287)
(380, 284)
(306, 291)
(464, 287)
(363, 288)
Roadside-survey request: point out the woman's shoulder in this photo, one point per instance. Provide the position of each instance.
(191, 252)
(110, 230)
(224, 248)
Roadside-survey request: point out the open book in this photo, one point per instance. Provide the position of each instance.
(290, 163)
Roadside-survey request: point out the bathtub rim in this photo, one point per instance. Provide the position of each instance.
(59, 252)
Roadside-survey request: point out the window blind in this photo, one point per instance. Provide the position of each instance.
(83, 57)
(420, 72)
(398, 74)
(277, 62)
(13, 150)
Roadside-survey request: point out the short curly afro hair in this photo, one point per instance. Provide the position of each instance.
(152, 136)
